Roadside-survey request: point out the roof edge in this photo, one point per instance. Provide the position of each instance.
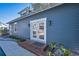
(19, 18)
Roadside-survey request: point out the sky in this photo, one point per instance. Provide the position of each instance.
(9, 11)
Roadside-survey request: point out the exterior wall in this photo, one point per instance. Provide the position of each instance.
(22, 29)
(65, 25)
(63, 28)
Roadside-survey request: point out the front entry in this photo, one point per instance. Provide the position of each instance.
(38, 30)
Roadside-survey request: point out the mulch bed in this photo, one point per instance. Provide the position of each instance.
(29, 45)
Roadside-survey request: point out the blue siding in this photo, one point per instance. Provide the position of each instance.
(22, 29)
(64, 26)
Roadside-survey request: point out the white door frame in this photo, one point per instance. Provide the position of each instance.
(39, 40)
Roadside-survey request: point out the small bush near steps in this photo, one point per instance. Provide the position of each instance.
(55, 51)
(17, 38)
(66, 52)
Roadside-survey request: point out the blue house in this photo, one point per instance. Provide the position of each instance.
(58, 22)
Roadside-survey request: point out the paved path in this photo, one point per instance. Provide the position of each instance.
(11, 48)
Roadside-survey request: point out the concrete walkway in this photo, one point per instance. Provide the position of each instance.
(11, 48)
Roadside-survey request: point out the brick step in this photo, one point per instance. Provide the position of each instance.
(28, 45)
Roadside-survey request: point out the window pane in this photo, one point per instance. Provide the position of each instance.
(41, 31)
(34, 34)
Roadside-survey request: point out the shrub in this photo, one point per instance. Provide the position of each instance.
(17, 38)
(66, 52)
(53, 50)
(13, 37)
(50, 53)
(3, 31)
(53, 45)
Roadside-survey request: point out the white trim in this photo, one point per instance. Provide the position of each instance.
(38, 20)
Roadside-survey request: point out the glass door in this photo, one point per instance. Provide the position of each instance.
(41, 30)
(33, 30)
(38, 30)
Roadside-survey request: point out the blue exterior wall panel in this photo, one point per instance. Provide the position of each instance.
(22, 29)
(64, 27)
